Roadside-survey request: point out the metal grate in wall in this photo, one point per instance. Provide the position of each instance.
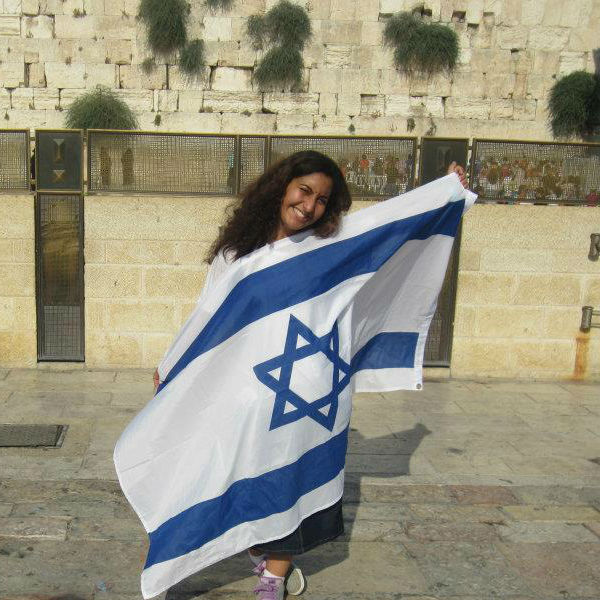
(253, 159)
(373, 167)
(536, 172)
(14, 160)
(161, 163)
(60, 276)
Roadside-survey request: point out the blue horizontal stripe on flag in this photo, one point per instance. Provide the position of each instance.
(387, 350)
(247, 500)
(313, 273)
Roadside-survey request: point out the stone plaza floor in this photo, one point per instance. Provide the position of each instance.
(469, 490)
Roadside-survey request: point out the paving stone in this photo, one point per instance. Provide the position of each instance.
(64, 491)
(559, 570)
(379, 511)
(448, 531)
(533, 533)
(70, 509)
(70, 567)
(34, 528)
(455, 568)
(566, 514)
(471, 494)
(5, 508)
(98, 529)
(533, 494)
(480, 514)
(594, 528)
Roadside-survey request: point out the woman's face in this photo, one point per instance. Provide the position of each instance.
(303, 203)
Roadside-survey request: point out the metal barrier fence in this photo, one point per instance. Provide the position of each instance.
(162, 163)
(536, 172)
(14, 159)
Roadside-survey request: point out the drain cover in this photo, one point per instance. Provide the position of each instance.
(31, 436)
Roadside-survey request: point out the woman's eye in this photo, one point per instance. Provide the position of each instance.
(323, 201)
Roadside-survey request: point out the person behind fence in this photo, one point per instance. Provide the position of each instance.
(307, 190)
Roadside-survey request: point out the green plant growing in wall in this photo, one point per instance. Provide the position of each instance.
(166, 24)
(283, 31)
(574, 105)
(100, 108)
(419, 46)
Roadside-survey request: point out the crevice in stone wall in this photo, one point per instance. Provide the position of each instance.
(459, 16)
(489, 19)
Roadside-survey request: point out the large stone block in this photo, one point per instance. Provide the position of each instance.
(509, 322)
(486, 288)
(538, 356)
(182, 81)
(364, 81)
(61, 75)
(524, 109)
(12, 74)
(471, 85)
(30, 7)
(106, 281)
(341, 32)
(367, 125)
(328, 104)
(338, 56)
(169, 282)
(44, 99)
(591, 292)
(548, 38)
(571, 61)
(102, 74)
(191, 253)
(20, 225)
(512, 37)
(137, 317)
(349, 104)
(10, 25)
(148, 252)
(104, 349)
(154, 347)
(467, 108)
(217, 28)
(295, 123)
(117, 28)
(562, 322)
(192, 122)
(17, 280)
(325, 80)
(394, 82)
(291, 103)
(332, 125)
(532, 12)
(37, 78)
(482, 357)
(581, 40)
(372, 33)
(41, 26)
(18, 348)
(548, 289)
(4, 98)
(372, 104)
(22, 98)
(70, 27)
(166, 100)
(495, 60)
(135, 77)
(191, 100)
(499, 85)
(232, 79)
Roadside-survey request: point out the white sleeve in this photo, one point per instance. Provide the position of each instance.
(216, 269)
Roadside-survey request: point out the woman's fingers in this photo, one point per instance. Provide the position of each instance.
(460, 171)
(156, 379)
(451, 167)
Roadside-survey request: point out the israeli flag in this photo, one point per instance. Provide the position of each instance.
(247, 434)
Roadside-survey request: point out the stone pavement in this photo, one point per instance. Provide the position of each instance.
(465, 491)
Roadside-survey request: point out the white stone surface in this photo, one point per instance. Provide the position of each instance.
(10, 25)
(468, 108)
(217, 28)
(61, 75)
(11, 7)
(30, 7)
(102, 74)
(22, 99)
(230, 79)
(291, 103)
(571, 61)
(12, 74)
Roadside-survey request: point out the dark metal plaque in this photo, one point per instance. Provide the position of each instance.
(253, 159)
(438, 153)
(59, 156)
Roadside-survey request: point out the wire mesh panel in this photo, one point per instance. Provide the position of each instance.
(435, 157)
(14, 160)
(253, 159)
(168, 163)
(373, 167)
(535, 172)
(59, 276)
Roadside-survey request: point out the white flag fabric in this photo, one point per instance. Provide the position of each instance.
(247, 434)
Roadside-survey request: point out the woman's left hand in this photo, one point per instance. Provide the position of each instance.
(454, 168)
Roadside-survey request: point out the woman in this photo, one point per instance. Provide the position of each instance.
(304, 191)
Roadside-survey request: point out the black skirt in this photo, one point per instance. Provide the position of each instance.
(315, 530)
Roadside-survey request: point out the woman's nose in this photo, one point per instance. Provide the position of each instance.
(310, 202)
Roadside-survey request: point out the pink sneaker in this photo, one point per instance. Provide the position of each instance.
(268, 588)
(295, 582)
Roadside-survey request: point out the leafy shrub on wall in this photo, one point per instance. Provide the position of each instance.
(166, 25)
(419, 46)
(284, 30)
(100, 108)
(574, 105)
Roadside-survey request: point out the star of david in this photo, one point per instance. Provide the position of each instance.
(276, 373)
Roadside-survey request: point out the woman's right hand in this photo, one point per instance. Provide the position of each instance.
(155, 379)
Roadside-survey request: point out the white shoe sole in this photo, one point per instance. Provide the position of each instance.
(295, 582)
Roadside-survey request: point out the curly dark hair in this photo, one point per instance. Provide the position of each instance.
(254, 220)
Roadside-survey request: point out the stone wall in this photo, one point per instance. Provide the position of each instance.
(18, 345)
(511, 52)
(524, 276)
